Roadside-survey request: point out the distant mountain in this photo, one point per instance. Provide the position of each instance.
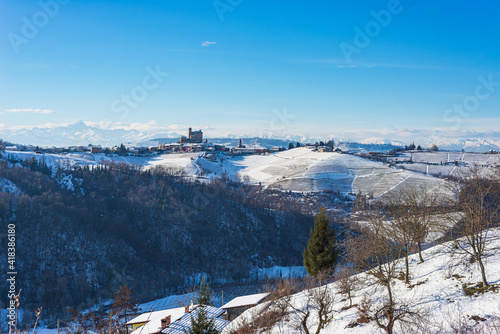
(81, 133)
(476, 145)
(78, 133)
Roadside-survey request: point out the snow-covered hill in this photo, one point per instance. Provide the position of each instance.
(301, 169)
(435, 291)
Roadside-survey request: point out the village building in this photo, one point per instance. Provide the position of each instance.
(278, 149)
(175, 321)
(193, 137)
(95, 149)
(325, 149)
(240, 304)
(240, 145)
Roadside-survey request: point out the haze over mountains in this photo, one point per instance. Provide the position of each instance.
(81, 133)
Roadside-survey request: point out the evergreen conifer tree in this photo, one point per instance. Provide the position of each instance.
(204, 294)
(201, 324)
(321, 253)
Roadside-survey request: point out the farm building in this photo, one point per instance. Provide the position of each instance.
(175, 321)
(240, 304)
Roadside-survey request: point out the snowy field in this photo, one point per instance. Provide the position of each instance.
(449, 157)
(303, 170)
(435, 290)
(299, 169)
(65, 161)
(176, 162)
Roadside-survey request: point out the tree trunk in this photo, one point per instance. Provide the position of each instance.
(389, 292)
(304, 323)
(483, 272)
(390, 311)
(407, 267)
(420, 252)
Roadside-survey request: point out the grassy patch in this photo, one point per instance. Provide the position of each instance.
(474, 290)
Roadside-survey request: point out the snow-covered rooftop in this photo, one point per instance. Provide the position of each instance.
(153, 320)
(248, 300)
(182, 325)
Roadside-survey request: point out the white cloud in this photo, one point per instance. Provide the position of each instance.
(207, 43)
(152, 126)
(30, 111)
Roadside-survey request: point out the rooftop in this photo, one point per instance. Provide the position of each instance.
(246, 300)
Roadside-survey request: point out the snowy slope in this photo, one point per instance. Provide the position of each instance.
(8, 187)
(181, 162)
(299, 169)
(436, 290)
(304, 170)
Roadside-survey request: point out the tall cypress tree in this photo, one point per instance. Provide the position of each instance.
(321, 253)
(204, 294)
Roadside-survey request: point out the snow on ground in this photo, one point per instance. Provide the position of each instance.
(168, 302)
(46, 331)
(445, 164)
(448, 157)
(176, 162)
(303, 170)
(8, 187)
(435, 288)
(298, 169)
(53, 161)
(281, 272)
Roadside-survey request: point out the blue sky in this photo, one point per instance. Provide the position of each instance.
(251, 67)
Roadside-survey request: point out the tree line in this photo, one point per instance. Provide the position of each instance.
(150, 230)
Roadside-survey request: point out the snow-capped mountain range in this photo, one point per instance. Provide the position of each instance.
(81, 133)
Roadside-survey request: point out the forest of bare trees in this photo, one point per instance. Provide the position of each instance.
(149, 230)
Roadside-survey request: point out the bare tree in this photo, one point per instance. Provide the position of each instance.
(410, 213)
(477, 199)
(299, 301)
(347, 282)
(374, 250)
(371, 250)
(315, 302)
(422, 202)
